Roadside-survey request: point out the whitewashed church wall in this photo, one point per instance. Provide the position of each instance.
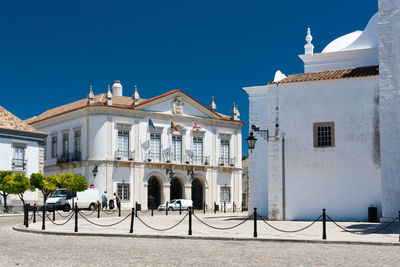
(344, 179)
(389, 69)
(258, 167)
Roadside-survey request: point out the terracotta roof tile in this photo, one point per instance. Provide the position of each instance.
(99, 100)
(331, 75)
(11, 122)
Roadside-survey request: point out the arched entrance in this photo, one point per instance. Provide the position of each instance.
(176, 189)
(197, 194)
(153, 193)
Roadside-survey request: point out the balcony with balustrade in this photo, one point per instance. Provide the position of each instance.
(19, 165)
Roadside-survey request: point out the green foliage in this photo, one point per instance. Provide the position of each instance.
(18, 184)
(46, 184)
(74, 183)
(4, 174)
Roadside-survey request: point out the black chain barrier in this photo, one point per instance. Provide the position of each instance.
(223, 228)
(108, 212)
(290, 231)
(38, 213)
(163, 229)
(29, 219)
(60, 224)
(90, 213)
(64, 216)
(361, 233)
(104, 225)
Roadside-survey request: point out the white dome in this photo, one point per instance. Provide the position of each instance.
(356, 40)
(117, 88)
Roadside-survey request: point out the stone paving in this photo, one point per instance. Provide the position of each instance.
(26, 249)
(222, 220)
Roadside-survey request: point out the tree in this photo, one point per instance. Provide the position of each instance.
(4, 194)
(74, 183)
(18, 184)
(46, 184)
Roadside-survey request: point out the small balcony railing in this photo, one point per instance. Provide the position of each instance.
(75, 156)
(153, 157)
(124, 155)
(64, 158)
(227, 162)
(19, 164)
(200, 160)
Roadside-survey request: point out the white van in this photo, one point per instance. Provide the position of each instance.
(64, 199)
(175, 204)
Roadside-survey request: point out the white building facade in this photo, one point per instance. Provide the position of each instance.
(148, 151)
(326, 133)
(21, 150)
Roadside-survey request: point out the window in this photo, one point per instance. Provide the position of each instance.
(324, 134)
(155, 146)
(225, 194)
(77, 141)
(123, 144)
(54, 146)
(177, 148)
(19, 158)
(65, 150)
(123, 191)
(224, 160)
(197, 150)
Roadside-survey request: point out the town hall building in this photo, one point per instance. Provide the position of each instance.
(333, 131)
(147, 150)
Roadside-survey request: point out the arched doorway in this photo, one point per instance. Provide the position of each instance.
(153, 193)
(176, 189)
(197, 194)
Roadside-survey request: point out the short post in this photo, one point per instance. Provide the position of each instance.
(34, 213)
(98, 211)
(28, 207)
(54, 212)
(192, 210)
(44, 217)
(324, 224)
(190, 220)
(119, 210)
(224, 206)
(215, 207)
(255, 222)
(233, 207)
(242, 206)
(25, 215)
(152, 209)
(76, 218)
(204, 207)
(132, 218)
(166, 208)
(136, 209)
(180, 208)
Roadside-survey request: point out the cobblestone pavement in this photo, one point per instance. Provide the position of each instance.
(25, 249)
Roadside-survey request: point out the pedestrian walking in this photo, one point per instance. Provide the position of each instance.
(117, 200)
(104, 200)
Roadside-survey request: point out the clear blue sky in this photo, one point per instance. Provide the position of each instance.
(51, 51)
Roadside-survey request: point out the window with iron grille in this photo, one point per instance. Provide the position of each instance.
(19, 157)
(324, 134)
(225, 194)
(123, 191)
(54, 146)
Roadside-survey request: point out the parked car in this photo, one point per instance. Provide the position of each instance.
(175, 204)
(64, 199)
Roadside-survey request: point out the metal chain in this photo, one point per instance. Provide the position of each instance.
(164, 229)
(60, 224)
(63, 215)
(222, 228)
(104, 225)
(38, 213)
(91, 213)
(290, 231)
(361, 233)
(106, 212)
(31, 217)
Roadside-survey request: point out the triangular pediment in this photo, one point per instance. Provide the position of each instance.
(177, 103)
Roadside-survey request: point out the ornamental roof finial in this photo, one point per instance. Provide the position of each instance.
(109, 96)
(235, 112)
(135, 96)
(90, 96)
(213, 106)
(309, 47)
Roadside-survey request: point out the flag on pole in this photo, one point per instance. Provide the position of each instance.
(151, 124)
(173, 126)
(196, 127)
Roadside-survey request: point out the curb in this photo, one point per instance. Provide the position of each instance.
(11, 215)
(20, 228)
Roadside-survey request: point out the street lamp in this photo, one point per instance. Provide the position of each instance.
(251, 141)
(95, 171)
